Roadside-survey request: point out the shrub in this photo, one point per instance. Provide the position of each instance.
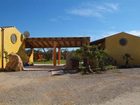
(94, 58)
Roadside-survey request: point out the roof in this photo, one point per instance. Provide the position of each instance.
(6, 26)
(103, 39)
(122, 33)
(56, 42)
(97, 41)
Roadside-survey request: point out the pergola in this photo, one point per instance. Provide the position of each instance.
(56, 42)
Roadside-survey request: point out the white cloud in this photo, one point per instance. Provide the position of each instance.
(112, 6)
(87, 12)
(106, 34)
(60, 18)
(134, 32)
(92, 10)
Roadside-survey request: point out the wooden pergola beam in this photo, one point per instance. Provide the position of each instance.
(33, 43)
(56, 39)
(60, 42)
(49, 43)
(45, 43)
(39, 43)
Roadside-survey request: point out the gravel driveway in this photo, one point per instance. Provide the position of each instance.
(40, 88)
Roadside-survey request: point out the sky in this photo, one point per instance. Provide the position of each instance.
(71, 18)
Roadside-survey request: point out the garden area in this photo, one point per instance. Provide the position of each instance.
(90, 59)
(49, 62)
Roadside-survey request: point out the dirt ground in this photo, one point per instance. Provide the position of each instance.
(40, 88)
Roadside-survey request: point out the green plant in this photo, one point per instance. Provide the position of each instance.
(100, 57)
(94, 58)
(127, 57)
(6, 55)
(75, 62)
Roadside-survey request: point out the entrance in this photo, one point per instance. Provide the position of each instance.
(56, 43)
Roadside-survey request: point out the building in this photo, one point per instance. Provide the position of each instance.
(119, 45)
(11, 41)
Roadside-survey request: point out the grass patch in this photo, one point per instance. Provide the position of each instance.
(49, 62)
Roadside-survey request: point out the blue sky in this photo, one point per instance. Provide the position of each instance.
(58, 18)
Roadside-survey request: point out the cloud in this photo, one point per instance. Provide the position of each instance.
(106, 34)
(134, 32)
(60, 18)
(92, 10)
(112, 6)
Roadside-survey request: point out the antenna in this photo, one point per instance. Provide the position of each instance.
(26, 34)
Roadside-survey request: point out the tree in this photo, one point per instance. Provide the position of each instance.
(93, 57)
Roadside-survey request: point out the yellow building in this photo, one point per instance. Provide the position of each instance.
(11, 41)
(120, 44)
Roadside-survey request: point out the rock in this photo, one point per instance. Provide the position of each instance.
(57, 72)
(15, 63)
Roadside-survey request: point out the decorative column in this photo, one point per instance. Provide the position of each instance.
(54, 55)
(59, 56)
(31, 57)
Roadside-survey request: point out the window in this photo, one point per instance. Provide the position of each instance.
(123, 41)
(13, 38)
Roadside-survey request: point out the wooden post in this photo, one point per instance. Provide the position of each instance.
(59, 56)
(54, 55)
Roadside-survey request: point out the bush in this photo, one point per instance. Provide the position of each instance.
(94, 59)
(74, 62)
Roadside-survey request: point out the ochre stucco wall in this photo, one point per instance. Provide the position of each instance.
(0, 51)
(8, 45)
(115, 50)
